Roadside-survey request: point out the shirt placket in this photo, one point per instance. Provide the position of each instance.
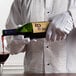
(48, 5)
(46, 62)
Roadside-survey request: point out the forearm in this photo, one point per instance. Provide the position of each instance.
(72, 10)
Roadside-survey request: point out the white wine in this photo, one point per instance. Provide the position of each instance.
(32, 30)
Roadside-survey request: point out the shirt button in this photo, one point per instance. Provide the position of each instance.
(48, 64)
(47, 46)
(48, 12)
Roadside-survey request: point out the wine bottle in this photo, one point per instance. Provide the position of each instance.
(32, 30)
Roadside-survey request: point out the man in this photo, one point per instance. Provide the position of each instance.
(46, 55)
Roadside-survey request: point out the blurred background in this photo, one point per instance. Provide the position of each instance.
(15, 62)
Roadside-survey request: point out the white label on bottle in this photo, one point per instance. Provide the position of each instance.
(39, 27)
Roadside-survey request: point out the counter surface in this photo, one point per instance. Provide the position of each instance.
(58, 74)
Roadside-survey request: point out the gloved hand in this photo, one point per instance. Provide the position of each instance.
(60, 26)
(16, 44)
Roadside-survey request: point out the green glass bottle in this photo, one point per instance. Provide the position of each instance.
(32, 30)
(25, 28)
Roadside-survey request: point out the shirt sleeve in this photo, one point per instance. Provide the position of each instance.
(15, 44)
(72, 10)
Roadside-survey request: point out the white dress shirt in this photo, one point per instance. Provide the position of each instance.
(41, 56)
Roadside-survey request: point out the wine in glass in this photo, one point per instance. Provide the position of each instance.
(3, 55)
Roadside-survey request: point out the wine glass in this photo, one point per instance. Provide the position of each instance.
(3, 55)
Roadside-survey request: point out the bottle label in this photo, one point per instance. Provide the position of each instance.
(39, 27)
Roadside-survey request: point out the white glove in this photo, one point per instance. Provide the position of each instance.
(60, 26)
(16, 44)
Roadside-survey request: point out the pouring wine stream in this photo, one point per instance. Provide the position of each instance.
(2, 37)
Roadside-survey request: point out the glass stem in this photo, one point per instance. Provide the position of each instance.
(1, 66)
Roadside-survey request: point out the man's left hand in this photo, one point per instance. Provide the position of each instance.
(60, 27)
